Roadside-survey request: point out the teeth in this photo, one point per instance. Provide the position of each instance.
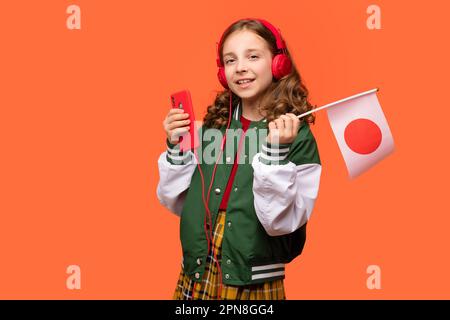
(244, 81)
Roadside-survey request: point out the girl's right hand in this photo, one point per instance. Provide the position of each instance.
(176, 124)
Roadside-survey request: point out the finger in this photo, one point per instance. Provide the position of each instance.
(177, 116)
(281, 126)
(272, 125)
(178, 124)
(279, 123)
(274, 133)
(171, 113)
(176, 133)
(175, 111)
(280, 129)
(287, 124)
(295, 123)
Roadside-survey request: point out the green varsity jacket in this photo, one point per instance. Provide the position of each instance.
(271, 200)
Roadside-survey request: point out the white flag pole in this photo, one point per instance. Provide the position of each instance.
(340, 101)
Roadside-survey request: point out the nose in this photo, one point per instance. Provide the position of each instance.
(241, 66)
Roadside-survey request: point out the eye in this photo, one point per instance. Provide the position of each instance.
(253, 56)
(226, 62)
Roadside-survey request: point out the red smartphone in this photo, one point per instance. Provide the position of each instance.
(182, 100)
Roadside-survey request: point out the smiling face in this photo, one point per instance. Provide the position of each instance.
(246, 55)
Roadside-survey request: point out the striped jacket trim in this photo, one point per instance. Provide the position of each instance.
(268, 271)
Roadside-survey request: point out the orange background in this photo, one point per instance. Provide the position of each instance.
(81, 131)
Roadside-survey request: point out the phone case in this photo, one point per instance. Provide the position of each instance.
(182, 99)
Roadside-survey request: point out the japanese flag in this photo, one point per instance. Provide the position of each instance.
(361, 131)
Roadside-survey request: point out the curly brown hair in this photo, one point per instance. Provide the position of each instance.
(288, 94)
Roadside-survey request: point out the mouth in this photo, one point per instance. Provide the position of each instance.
(244, 83)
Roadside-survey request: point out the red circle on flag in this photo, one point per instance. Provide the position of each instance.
(363, 136)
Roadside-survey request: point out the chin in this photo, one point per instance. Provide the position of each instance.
(246, 93)
(246, 96)
(249, 95)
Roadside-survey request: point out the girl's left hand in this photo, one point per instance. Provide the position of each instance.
(284, 129)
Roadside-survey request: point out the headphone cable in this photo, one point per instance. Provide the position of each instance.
(209, 237)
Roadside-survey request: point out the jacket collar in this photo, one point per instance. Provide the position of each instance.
(236, 120)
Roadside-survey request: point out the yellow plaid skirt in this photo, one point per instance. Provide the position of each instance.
(208, 288)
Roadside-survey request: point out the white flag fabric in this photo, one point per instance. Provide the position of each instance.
(361, 131)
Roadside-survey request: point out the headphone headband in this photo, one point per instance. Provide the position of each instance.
(281, 46)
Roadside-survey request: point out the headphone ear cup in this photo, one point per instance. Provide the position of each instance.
(281, 66)
(222, 77)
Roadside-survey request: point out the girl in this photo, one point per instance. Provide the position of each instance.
(237, 239)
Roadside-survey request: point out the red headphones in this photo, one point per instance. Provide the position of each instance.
(281, 64)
